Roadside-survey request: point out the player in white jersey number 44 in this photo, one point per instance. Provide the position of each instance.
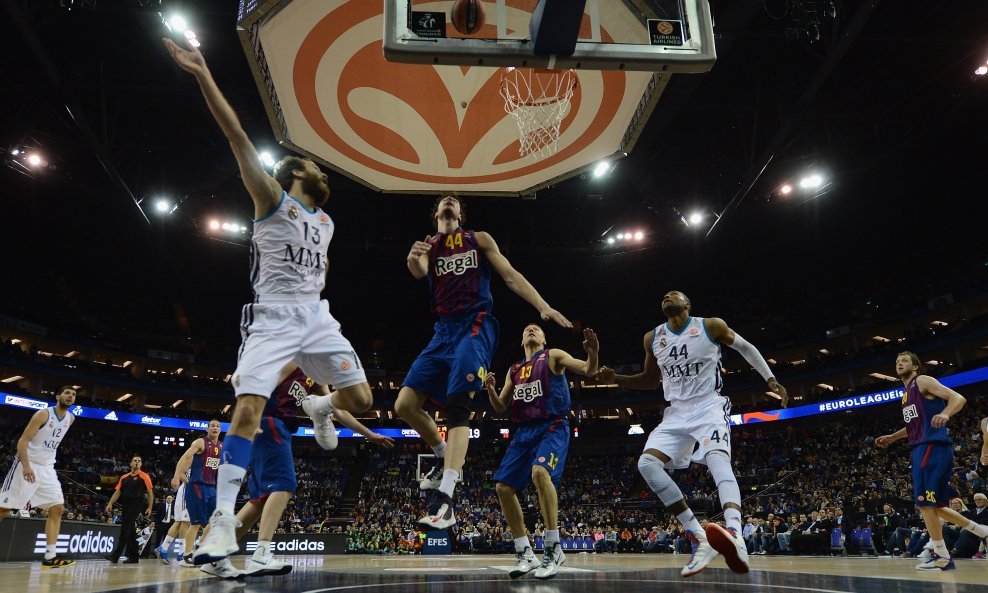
(286, 322)
(683, 355)
(32, 476)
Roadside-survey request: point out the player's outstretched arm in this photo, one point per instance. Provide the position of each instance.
(185, 461)
(719, 332)
(263, 189)
(887, 439)
(499, 401)
(649, 378)
(418, 258)
(560, 359)
(955, 401)
(347, 419)
(33, 426)
(516, 282)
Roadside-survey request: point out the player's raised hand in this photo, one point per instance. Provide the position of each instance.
(605, 375)
(590, 343)
(490, 383)
(551, 314)
(420, 248)
(381, 441)
(779, 390)
(190, 60)
(939, 421)
(883, 441)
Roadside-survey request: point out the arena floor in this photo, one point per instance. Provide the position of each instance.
(483, 574)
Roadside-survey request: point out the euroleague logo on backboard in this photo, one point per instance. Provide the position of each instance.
(437, 125)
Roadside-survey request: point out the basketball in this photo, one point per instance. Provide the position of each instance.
(468, 16)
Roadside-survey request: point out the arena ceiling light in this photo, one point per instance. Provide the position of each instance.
(266, 159)
(696, 218)
(602, 168)
(177, 23)
(125, 397)
(35, 160)
(811, 181)
(162, 205)
(214, 225)
(11, 379)
(981, 70)
(786, 189)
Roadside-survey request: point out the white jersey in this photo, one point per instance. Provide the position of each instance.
(690, 361)
(288, 250)
(42, 446)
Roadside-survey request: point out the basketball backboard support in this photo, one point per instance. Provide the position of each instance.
(413, 128)
(654, 35)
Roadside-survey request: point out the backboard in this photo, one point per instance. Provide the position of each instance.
(330, 94)
(646, 35)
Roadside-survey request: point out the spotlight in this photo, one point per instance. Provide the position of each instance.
(981, 71)
(610, 240)
(601, 169)
(785, 189)
(15, 152)
(176, 22)
(214, 225)
(639, 236)
(266, 159)
(162, 205)
(234, 227)
(194, 42)
(810, 181)
(243, 229)
(189, 34)
(696, 218)
(34, 160)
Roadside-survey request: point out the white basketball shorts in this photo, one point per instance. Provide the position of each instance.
(280, 329)
(179, 512)
(44, 492)
(703, 424)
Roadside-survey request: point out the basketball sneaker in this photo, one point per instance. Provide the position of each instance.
(936, 563)
(187, 562)
(223, 569)
(56, 562)
(552, 559)
(441, 512)
(703, 554)
(325, 431)
(163, 555)
(434, 478)
(266, 566)
(525, 562)
(730, 544)
(221, 540)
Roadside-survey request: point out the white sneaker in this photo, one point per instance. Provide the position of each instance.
(731, 545)
(703, 554)
(927, 554)
(187, 562)
(936, 563)
(442, 514)
(267, 566)
(223, 569)
(525, 562)
(221, 541)
(434, 478)
(325, 431)
(552, 559)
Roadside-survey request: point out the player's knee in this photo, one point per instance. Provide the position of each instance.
(458, 410)
(503, 490)
(56, 510)
(647, 462)
(407, 403)
(358, 398)
(540, 474)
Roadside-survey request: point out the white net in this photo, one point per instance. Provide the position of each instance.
(539, 100)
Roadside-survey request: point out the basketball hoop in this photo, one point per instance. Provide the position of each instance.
(539, 100)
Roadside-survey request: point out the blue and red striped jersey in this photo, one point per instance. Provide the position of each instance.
(918, 411)
(539, 394)
(286, 399)
(206, 463)
(459, 276)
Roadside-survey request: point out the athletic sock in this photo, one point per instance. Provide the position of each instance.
(551, 536)
(732, 517)
(977, 529)
(521, 543)
(688, 520)
(230, 476)
(449, 482)
(321, 404)
(50, 551)
(440, 450)
(166, 544)
(941, 549)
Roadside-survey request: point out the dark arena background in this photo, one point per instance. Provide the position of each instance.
(818, 183)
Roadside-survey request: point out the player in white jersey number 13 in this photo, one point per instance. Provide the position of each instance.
(32, 478)
(683, 355)
(286, 322)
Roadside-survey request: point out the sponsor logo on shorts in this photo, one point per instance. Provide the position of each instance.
(541, 459)
(345, 365)
(470, 377)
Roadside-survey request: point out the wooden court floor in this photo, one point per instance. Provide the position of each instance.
(582, 573)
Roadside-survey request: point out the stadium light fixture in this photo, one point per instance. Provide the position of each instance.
(266, 158)
(15, 152)
(981, 71)
(785, 189)
(189, 34)
(34, 160)
(601, 169)
(194, 42)
(812, 181)
(162, 206)
(696, 218)
(610, 240)
(639, 235)
(214, 225)
(177, 23)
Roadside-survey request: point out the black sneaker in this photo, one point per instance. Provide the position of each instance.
(56, 562)
(441, 513)
(434, 478)
(112, 559)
